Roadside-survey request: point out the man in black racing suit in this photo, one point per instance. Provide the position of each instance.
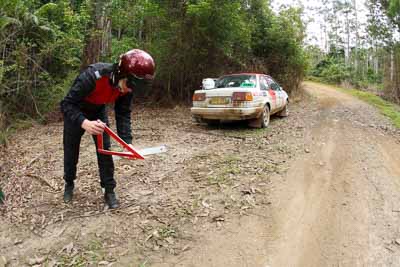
(84, 109)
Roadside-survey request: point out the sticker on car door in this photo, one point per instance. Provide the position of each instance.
(272, 94)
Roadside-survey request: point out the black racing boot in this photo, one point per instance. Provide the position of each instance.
(111, 200)
(68, 192)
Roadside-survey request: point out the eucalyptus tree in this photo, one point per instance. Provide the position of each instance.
(98, 35)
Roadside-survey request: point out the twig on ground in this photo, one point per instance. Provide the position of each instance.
(41, 179)
(32, 161)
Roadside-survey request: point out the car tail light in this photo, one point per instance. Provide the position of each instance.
(242, 96)
(199, 97)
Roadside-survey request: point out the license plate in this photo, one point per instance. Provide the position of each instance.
(219, 100)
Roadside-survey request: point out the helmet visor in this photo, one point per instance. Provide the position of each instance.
(136, 83)
(145, 77)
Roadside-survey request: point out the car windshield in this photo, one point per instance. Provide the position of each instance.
(244, 80)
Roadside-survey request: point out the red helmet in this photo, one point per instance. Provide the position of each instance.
(137, 63)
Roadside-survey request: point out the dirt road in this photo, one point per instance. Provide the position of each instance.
(340, 202)
(319, 188)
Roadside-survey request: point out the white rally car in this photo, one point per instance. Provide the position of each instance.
(243, 96)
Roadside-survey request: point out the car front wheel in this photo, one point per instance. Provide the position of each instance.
(265, 117)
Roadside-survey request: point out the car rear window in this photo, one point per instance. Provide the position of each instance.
(244, 80)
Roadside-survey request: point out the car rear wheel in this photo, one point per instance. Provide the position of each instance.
(197, 119)
(265, 117)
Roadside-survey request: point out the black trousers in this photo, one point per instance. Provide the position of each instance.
(72, 139)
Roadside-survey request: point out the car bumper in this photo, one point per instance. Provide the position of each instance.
(226, 113)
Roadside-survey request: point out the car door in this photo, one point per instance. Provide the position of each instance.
(274, 93)
(280, 95)
(265, 91)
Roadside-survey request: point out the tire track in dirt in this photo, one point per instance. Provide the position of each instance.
(309, 226)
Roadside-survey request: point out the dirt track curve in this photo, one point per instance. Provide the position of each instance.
(319, 188)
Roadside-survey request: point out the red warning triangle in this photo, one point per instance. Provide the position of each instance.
(131, 153)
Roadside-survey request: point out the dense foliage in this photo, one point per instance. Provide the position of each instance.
(40, 46)
(44, 44)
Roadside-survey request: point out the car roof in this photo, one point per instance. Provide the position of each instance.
(244, 73)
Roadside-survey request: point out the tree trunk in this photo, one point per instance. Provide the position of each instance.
(347, 50)
(396, 72)
(376, 59)
(119, 34)
(356, 63)
(98, 41)
(391, 65)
